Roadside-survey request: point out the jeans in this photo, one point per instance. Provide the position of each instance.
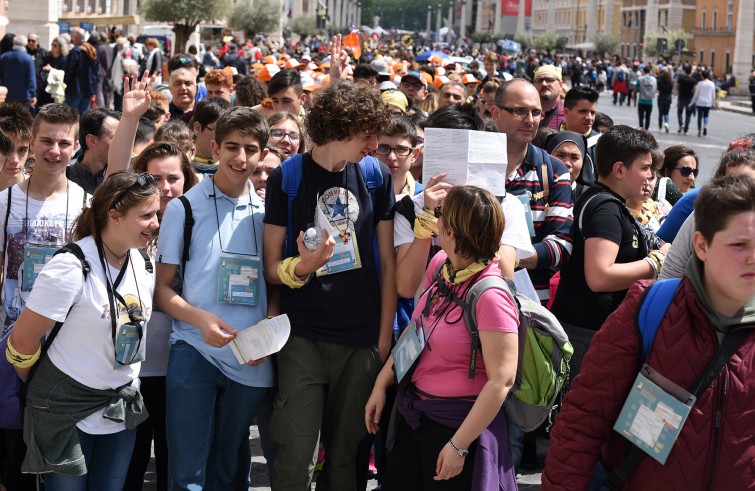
(663, 109)
(683, 105)
(702, 116)
(153, 393)
(81, 103)
(208, 418)
(516, 441)
(106, 457)
(644, 111)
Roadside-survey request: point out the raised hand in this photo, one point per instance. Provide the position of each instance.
(339, 59)
(136, 98)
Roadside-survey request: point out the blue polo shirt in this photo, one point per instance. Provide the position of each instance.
(241, 233)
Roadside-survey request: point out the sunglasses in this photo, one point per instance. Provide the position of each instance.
(143, 181)
(686, 171)
(414, 85)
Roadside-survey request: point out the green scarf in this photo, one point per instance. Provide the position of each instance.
(746, 315)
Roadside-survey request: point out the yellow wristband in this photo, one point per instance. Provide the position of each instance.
(425, 224)
(21, 360)
(286, 272)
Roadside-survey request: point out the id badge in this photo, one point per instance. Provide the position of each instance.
(35, 258)
(238, 279)
(128, 349)
(654, 413)
(525, 200)
(345, 255)
(408, 349)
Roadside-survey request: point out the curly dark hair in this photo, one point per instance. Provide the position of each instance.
(344, 109)
(250, 92)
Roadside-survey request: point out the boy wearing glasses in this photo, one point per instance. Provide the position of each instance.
(211, 399)
(203, 124)
(397, 149)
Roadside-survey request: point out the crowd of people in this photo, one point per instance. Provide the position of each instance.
(299, 190)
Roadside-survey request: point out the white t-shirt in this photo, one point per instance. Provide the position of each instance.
(49, 225)
(84, 348)
(515, 233)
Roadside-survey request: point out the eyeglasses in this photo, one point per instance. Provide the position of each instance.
(686, 170)
(143, 181)
(521, 113)
(387, 149)
(438, 211)
(208, 127)
(546, 81)
(279, 134)
(420, 141)
(414, 85)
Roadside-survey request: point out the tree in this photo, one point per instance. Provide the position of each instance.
(185, 15)
(526, 39)
(304, 26)
(254, 17)
(651, 41)
(605, 43)
(547, 41)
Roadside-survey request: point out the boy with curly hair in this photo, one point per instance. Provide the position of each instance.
(341, 296)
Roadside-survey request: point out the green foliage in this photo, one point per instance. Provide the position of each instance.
(651, 41)
(254, 17)
(304, 26)
(186, 15)
(605, 43)
(526, 39)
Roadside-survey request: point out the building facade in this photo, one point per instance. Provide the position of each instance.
(640, 17)
(577, 20)
(724, 33)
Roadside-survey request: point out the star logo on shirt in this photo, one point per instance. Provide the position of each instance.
(338, 208)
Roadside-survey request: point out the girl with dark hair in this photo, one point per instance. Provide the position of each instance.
(83, 404)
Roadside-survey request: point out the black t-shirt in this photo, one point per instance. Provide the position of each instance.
(686, 86)
(575, 302)
(80, 175)
(341, 308)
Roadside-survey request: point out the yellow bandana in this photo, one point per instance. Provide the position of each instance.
(456, 277)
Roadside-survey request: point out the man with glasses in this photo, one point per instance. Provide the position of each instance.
(534, 173)
(414, 88)
(549, 84)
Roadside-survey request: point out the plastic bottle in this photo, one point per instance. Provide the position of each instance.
(312, 238)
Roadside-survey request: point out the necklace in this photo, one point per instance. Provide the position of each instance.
(118, 259)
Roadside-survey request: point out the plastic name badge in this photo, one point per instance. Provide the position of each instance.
(525, 200)
(238, 279)
(407, 350)
(35, 258)
(654, 413)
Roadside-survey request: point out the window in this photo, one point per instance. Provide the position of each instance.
(729, 15)
(702, 57)
(715, 19)
(703, 19)
(712, 59)
(727, 63)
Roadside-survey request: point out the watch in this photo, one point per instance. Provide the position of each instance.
(463, 452)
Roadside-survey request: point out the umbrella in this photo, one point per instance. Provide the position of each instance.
(427, 54)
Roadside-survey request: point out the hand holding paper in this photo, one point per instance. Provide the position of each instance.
(262, 339)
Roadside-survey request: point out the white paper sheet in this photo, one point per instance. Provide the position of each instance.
(467, 157)
(262, 339)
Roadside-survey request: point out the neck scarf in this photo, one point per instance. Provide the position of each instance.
(458, 276)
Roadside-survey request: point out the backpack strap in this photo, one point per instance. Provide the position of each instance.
(291, 173)
(545, 176)
(147, 261)
(655, 303)
(188, 228)
(373, 177)
(405, 208)
(7, 216)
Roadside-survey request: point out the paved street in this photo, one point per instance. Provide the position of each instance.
(724, 126)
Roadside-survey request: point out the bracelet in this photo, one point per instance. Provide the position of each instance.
(21, 360)
(286, 272)
(652, 264)
(463, 452)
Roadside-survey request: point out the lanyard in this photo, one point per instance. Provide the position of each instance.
(26, 211)
(113, 295)
(217, 220)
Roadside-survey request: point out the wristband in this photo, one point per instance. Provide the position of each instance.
(652, 264)
(463, 452)
(21, 360)
(286, 272)
(425, 224)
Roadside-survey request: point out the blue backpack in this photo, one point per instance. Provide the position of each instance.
(655, 303)
(291, 170)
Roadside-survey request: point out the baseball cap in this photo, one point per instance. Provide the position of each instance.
(381, 67)
(414, 76)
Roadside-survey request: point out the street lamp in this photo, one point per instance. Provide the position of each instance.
(429, 18)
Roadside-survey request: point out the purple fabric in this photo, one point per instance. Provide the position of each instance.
(493, 469)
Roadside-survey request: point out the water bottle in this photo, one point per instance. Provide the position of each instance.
(312, 238)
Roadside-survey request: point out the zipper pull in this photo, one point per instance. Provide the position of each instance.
(718, 418)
